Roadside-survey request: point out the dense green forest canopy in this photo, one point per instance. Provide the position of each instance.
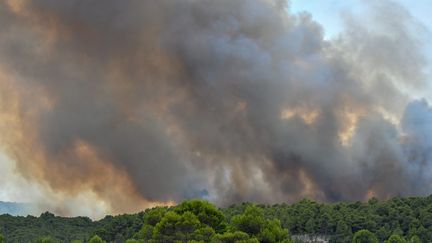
(395, 220)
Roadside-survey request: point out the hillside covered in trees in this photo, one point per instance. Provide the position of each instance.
(395, 220)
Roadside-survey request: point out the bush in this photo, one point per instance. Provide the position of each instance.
(96, 239)
(364, 236)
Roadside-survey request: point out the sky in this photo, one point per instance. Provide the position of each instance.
(235, 102)
(328, 12)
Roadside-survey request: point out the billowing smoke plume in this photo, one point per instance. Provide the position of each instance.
(141, 102)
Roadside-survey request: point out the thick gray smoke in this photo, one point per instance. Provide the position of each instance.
(229, 100)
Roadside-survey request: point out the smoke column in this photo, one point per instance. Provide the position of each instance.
(140, 103)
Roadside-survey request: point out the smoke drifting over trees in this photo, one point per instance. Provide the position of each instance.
(143, 102)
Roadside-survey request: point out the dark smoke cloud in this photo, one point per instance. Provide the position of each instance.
(230, 100)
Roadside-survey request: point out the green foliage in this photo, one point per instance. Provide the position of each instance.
(415, 239)
(134, 241)
(206, 212)
(194, 220)
(145, 233)
(273, 232)
(395, 239)
(46, 239)
(1, 238)
(200, 221)
(176, 227)
(204, 233)
(30, 228)
(364, 236)
(253, 222)
(232, 237)
(154, 215)
(119, 228)
(181, 225)
(343, 232)
(96, 239)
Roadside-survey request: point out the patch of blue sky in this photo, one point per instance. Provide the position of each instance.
(328, 13)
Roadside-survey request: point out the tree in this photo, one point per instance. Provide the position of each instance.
(119, 228)
(273, 232)
(395, 239)
(206, 212)
(310, 226)
(46, 239)
(191, 220)
(96, 239)
(1, 238)
(174, 227)
(415, 239)
(364, 236)
(232, 237)
(154, 215)
(423, 234)
(253, 222)
(134, 241)
(343, 232)
(397, 231)
(204, 233)
(145, 233)
(383, 233)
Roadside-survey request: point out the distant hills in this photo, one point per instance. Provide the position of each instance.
(15, 209)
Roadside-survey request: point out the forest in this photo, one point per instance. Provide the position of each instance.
(394, 220)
